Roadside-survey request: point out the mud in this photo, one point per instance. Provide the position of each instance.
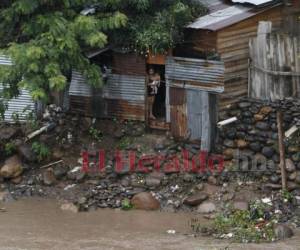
(41, 224)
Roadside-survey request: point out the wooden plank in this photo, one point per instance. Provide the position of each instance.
(206, 128)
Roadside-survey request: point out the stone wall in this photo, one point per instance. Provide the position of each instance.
(251, 143)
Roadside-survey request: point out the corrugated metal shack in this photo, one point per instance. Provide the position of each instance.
(226, 32)
(123, 95)
(191, 86)
(20, 107)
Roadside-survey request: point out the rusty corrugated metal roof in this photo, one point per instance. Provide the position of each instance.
(222, 14)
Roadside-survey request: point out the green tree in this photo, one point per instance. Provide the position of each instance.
(47, 38)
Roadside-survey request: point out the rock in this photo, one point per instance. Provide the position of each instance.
(262, 126)
(282, 231)
(260, 158)
(268, 152)
(145, 201)
(244, 105)
(12, 167)
(70, 207)
(118, 134)
(228, 153)
(8, 133)
(206, 207)
(5, 197)
(49, 177)
(241, 144)
(293, 149)
(289, 165)
(152, 182)
(229, 143)
(57, 153)
(60, 172)
(297, 180)
(200, 186)
(26, 153)
(274, 178)
(265, 110)
(241, 205)
(255, 146)
(292, 176)
(188, 177)
(258, 117)
(212, 180)
(296, 157)
(195, 199)
(16, 180)
(76, 174)
(228, 196)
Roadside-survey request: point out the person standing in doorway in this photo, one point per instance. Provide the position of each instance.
(153, 84)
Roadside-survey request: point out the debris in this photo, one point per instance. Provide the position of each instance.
(41, 130)
(283, 231)
(227, 121)
(171, 231)
(51, 164)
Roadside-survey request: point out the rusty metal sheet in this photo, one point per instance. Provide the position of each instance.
(177, 96)
(195, 74)
(81, 105)
(128, 64)
(179, 121)
(123, 109)
(229, 14)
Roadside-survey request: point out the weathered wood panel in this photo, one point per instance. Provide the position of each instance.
(128, 64)
(275, 65)
(233, 48)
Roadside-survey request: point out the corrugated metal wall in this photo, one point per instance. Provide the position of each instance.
(21, 105)
(122, 96)
(191, 104)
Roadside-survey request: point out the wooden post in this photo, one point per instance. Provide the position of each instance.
(281, 149)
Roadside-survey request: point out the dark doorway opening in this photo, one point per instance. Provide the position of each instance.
(159, 105)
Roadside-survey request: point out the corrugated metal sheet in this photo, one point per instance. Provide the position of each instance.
(79, 86)
(255, 2)
(128, 64)
(21, 105)
(123, 96)
(194, 109)
(125, 87)
(224, 15)
(195, 74)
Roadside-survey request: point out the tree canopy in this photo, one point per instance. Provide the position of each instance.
(46, 39)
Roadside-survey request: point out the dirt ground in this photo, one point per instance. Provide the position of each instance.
(40, 224)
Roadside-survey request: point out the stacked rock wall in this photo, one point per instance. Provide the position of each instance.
(251, 143)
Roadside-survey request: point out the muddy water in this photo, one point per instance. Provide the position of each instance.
(40, 224)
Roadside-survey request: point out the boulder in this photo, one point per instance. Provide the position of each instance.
(195, 199)
(26, 153)
(206, 207)
(145, 201)
(12, 167)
